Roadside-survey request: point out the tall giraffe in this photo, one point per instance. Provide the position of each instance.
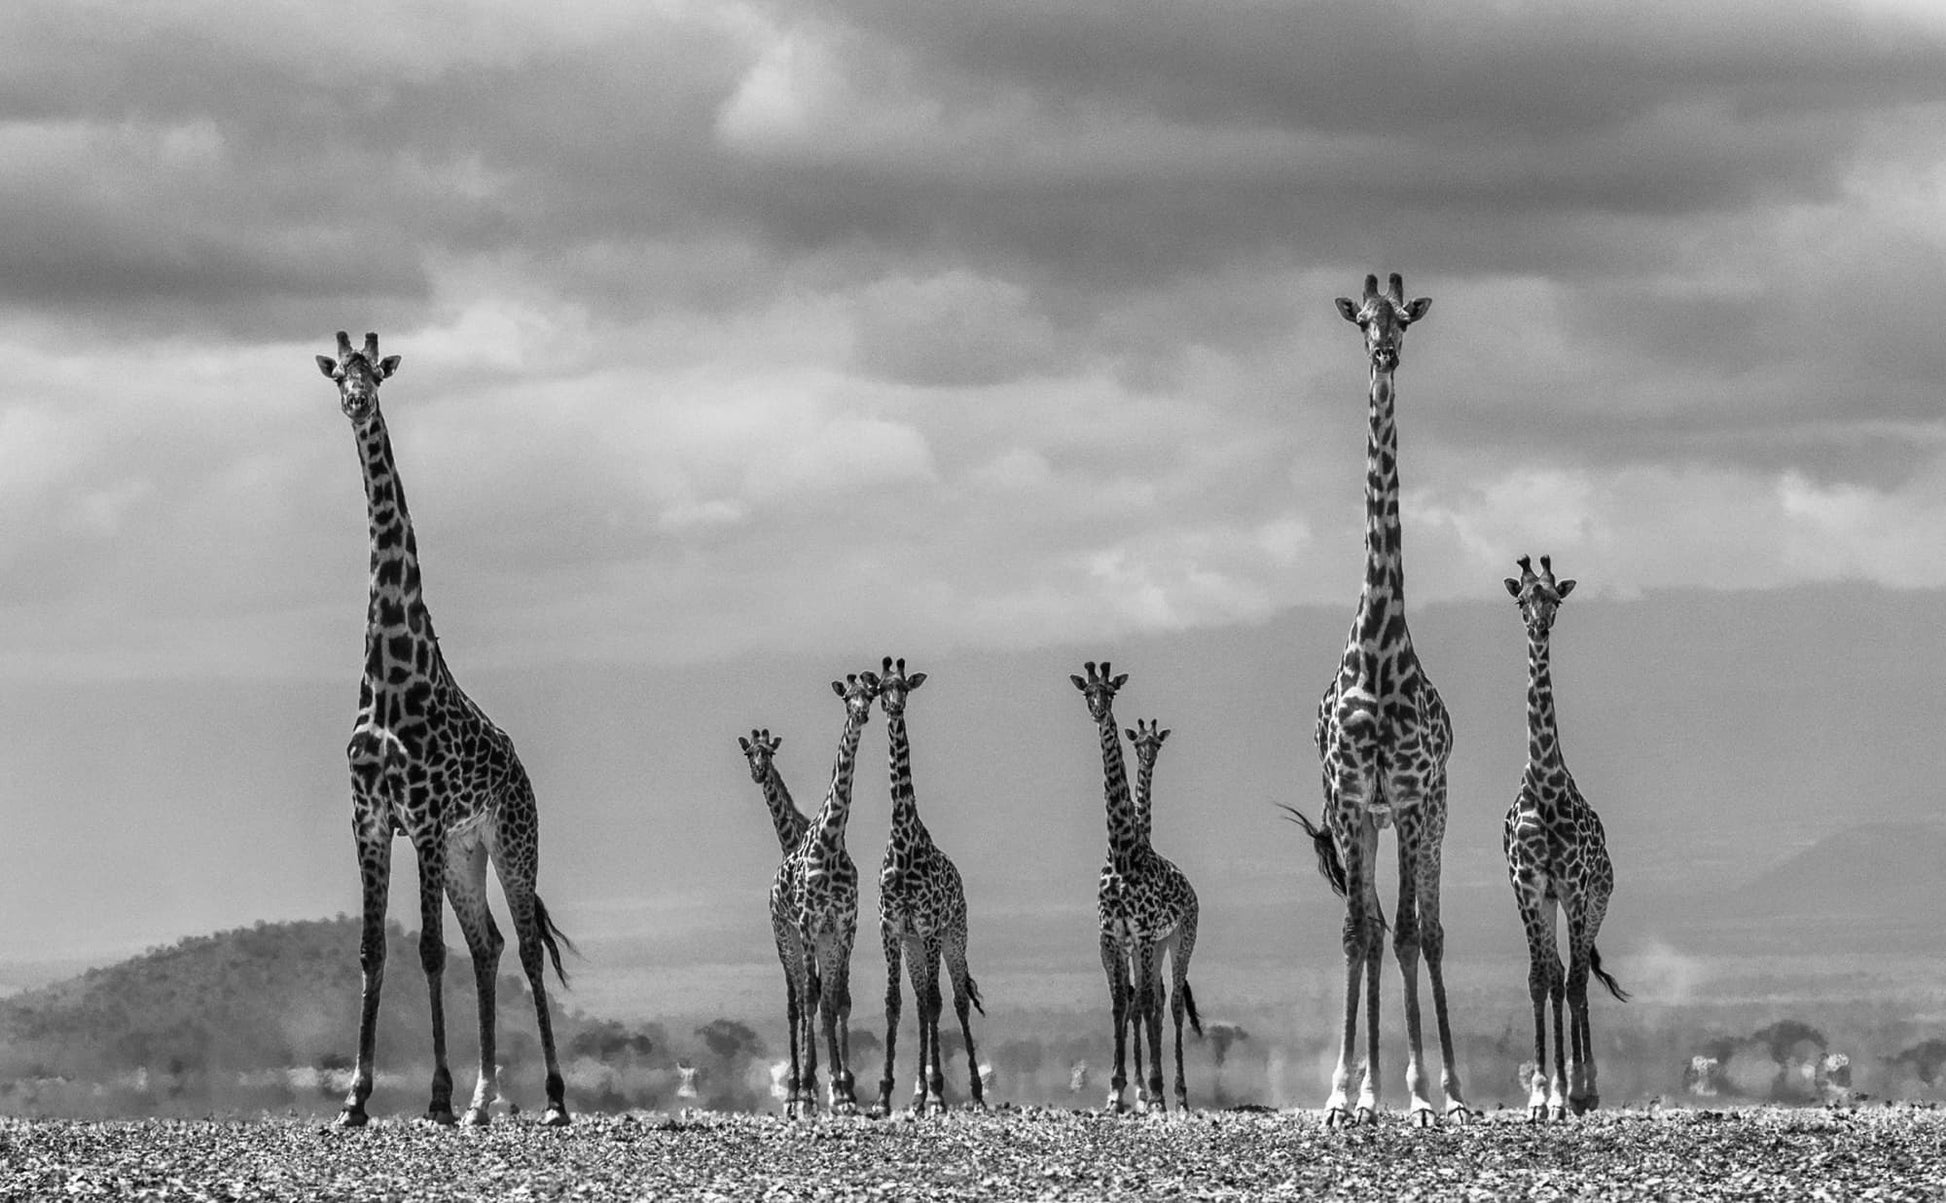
(922, 912)
(1147, 742)
(1556, 853)
(824, 899)
(427, 763)
(1383, 737)
(761, 750)
(1146, 910)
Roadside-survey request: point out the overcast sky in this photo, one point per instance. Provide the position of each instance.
(735, 328)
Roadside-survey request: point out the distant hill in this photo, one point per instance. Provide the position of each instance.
(267, 1016)
(1859, 886)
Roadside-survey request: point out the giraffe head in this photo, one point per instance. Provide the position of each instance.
(1383, 316)
(894, 685)
(1538, 594)
(1147, 740)
(857, 690)
(358, 373)
(761, 749)
(1099, 688)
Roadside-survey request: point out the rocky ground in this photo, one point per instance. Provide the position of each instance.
(1757, 1153)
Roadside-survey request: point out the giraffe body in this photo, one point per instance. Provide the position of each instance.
(1146, 911)
(824, 905)
(922, 912)
(1383, 737)
(428, 764)
(790, 824)
(1557, 856)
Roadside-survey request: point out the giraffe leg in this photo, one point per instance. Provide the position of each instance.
(1536, 920)
(1581, 1058)
(1150, 977)
(966, 995)
(1557, 1087)
(835, 972)
(890, 941)
(1405, 948)
(432, 958)
(810, 993)
(932, 1075)
(466, 864)
(375, 873)
(1181, 945)
(792, 1022)
(915, 967)
(1432, 945)
(1357, 848)
(1113, 963)
(516, 857)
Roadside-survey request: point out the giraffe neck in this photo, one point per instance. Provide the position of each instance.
(1384, 591)
(1543, 738)
(1123, 825)
(907, 831)
(829, 826)
(784, 814)
(1144, 777)
(399, 639)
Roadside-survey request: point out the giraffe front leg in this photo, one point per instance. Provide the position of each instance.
(1432, 945)
(1112, 962)
(1405, 948)
(375, 868)
(810, 992)
(1581, 1097)
(837, 1002)
(1536, 919)
(1148, 977)
(1357, 848)
(432, 958)
(932, 1076)
(466, 888)
(794, 1083)
(889, 938)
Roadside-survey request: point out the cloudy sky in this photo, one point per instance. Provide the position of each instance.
(740, 334)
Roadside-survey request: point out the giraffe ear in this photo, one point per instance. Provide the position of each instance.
(744, 744)
(1119, 681)
(1078, 683)
(1349, 310)
(1162, 735)
(914, 681)
(329, 367)
(1130, 734)
(387, 366)
(1564, 588)
(1417, 309)
(1513, 587)
(838, 687)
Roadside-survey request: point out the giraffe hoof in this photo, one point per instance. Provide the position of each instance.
(1423, 1117)
(1557, 1113)
(442, 1116)
(353, 1117)
(1337, 1117)
(1583, 1106)
(1460, 1113)
(1536, 1114)
(476, 1116)
(555, 1117)
(1367, 1117)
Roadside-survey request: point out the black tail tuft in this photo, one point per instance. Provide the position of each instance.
(1329, 866)
(1594, 964)
(1189, 1002)
(549, 934)
(973, 994)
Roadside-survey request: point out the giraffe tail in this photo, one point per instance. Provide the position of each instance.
(1594, 966)
(550, 934)
(973, 994)
(1330, 867)
(1189, 1004)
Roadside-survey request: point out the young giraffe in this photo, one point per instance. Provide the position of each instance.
(922, 911)
(824, 901)
(790, 822)
(1556, 853)
(1147, 742)
(1146, 908)
(1383, 737)
(427, 763)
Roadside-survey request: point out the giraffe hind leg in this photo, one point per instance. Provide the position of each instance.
(515, 859)
(932, 1077)
(466, 864)
(966, 995)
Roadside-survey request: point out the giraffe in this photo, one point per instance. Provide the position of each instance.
(824, 902)
(1556, 854)
(427, 763)
(761, 751)
(1147, 910)
(1383, 737)
(922, 912)
(1147, 742)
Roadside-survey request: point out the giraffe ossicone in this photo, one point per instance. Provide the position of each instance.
(426, 762)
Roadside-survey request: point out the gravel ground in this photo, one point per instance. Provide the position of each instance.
(1757, 1153)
